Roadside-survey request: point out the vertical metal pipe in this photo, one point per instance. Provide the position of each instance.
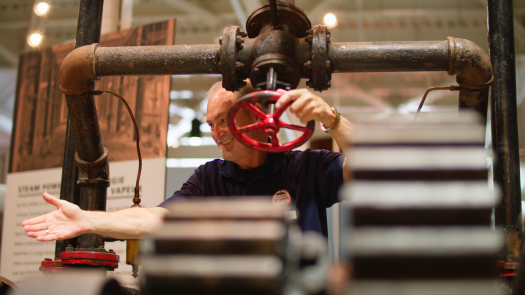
(89, 22)
(69, 189)
(88, 32)
(505, 126)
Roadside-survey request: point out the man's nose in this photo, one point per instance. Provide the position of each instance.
(217, 132)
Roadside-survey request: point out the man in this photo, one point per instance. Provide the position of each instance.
(309, 179)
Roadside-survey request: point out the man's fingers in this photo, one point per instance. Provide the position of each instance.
(35, 227)
(51, 200)
(35, 220)
(306, 119)
(47, 238)
(36, 234)
(286, 98)
(301, 106)
(308, 115)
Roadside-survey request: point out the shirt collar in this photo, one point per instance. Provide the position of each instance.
(272, 164)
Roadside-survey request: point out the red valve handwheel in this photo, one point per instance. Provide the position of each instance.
(270, 124)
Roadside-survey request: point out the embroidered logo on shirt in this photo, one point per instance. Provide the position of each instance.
(281, 198)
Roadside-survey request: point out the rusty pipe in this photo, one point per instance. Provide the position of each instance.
(473, 70)
(388, 56)
(456, 56)
(88, 63)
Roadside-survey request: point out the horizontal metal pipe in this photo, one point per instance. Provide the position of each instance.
(461, 57)
(88, 63)
(157, 60)
(456, 56)
(388, 56)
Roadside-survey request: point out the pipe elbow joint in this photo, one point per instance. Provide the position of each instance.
(77, 71)
(470, 63)
(473, 70)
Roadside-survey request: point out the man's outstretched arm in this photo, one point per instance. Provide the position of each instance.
(69, 221)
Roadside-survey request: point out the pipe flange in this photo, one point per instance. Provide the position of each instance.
(231, 43)
(320, 64)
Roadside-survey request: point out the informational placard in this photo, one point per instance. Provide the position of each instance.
(21, 255)
(39, 133)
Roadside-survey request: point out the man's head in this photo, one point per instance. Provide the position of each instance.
(219, 103)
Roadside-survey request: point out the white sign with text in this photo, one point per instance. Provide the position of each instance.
(21, 255)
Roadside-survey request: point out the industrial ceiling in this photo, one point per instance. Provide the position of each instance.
(202, 21)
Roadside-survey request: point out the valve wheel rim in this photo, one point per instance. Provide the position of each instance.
(269, 123)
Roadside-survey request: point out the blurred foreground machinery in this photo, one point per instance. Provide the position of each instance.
(417, 217)
(232, 246)
(213, 246)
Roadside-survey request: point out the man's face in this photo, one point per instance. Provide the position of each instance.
(219, 104)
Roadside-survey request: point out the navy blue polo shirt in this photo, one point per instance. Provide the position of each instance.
(312, 178)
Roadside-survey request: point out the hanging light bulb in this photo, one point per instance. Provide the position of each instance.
(41, 8)
(34, 39)
(330, 20)
(195, 133)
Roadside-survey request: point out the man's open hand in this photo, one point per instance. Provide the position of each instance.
(64, 223)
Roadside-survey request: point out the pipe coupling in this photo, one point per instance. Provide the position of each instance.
(451, 55)
(94, 173)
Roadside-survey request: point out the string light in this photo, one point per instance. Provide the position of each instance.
(34, 39)
(330, 20)
(41, 8)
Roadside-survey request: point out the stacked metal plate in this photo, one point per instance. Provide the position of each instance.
(417, 217)
(218, 246)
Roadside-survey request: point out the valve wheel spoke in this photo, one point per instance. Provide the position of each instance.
(252, 109)
(250, 127)
(293, 127)
(278, 113)
(274, 140)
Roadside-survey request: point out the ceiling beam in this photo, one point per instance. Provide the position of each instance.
(318, 10)
(188, 7)
(251, 5)
(343, 86)
(8, 56)
(241, 16)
